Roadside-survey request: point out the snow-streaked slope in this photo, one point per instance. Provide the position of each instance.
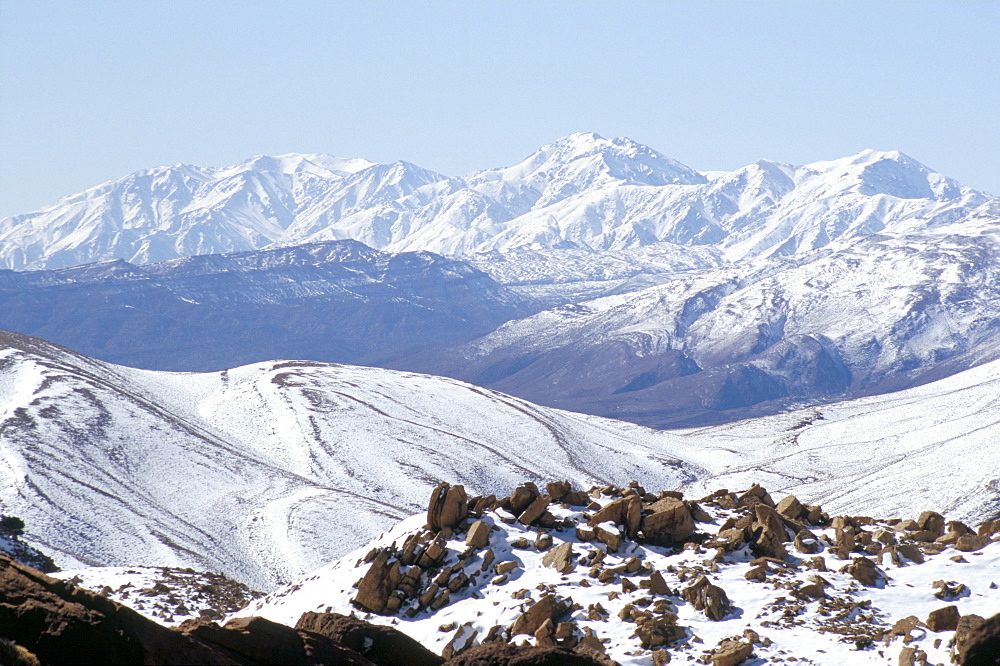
(879, 313)
(579, 191)
(269, 470)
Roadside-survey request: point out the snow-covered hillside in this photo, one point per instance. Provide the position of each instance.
(580, 191)
(862, 316)
(270, 470)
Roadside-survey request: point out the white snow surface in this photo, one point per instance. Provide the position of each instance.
(580, 191)
(271, 470)
(796, 629)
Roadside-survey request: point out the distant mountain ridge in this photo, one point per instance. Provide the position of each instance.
(580, 191)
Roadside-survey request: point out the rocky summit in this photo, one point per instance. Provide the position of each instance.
(631, 576)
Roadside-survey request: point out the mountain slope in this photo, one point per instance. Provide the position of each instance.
(270, 470)
(580, 191)
(876, 314)
(339, 301)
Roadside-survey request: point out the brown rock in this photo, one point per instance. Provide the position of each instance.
(989, 528)
(660, 631)
(548, 607)
(980, 642)
(534, 511)
(561, 558)
(943, 619)
(932, 522)
(968, 543)
(626, 512)
(381, 644)
(661, 657)
(731, 653)
(669, 522)
(770, 533)
(448, 506)
(911, 656)
(479, 534)
(708, 598)
(378, 583)
(865, 572)
(755, 495)
(558, 489)
(609, 536)
(790, 507)
(496, 653)
(522, 497)
(657, 585)
(807, 542)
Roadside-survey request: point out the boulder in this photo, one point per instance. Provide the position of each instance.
(731, 653)
(770, 534)
(495, 653)
(548, 607)
(806, 542)
(668, 522)
(980, 646)
(790, 507)
(943, 619)
(378, 583)
(709, 598)
(865, 572)
(659, 631)
(626, 512)
(523, 496)
(561, 558)
(534, 511)
(478, 535)
(558, 489)
(448, 506)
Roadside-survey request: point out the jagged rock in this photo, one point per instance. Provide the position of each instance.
(770, 533)
(448, 506)
(543, 542)
(807, 542)
(968, 543)
(12, 654)
(989, 528)
(657, 584)
(943, 619)
(60, 623)
(790, 507)
(558, 489)
(256, 640)
(948, 589)
(534, 511)
(561, 557)
(931, 521)
(377, 584)
(709, 598)
(668, 522)
(505, 567)
(463, 639)
(609, 535)
(626, 512)
(660, 657)
(478, 535)
(548, 607)
(659, 631)
(980, 642)
(755, 495)
(731, 653)
(865, 572)
(522, 497)
(911, 656)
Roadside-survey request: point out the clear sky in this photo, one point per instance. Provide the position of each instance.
(91, 90)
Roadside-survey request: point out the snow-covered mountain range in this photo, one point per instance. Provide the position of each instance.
(580, 191)
(270, 470)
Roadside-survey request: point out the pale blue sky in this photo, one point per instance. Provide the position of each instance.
(92, 90)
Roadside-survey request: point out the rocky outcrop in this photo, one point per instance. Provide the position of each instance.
(382, 645)
(709, 598)
(502, 654)
(448, 506)
(60, 623)
(667, 522)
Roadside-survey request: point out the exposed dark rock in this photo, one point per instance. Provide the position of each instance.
(448, 506)
(502, 654)
(980, 646)
(709, 598)
(668, 522)
(380, 644)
